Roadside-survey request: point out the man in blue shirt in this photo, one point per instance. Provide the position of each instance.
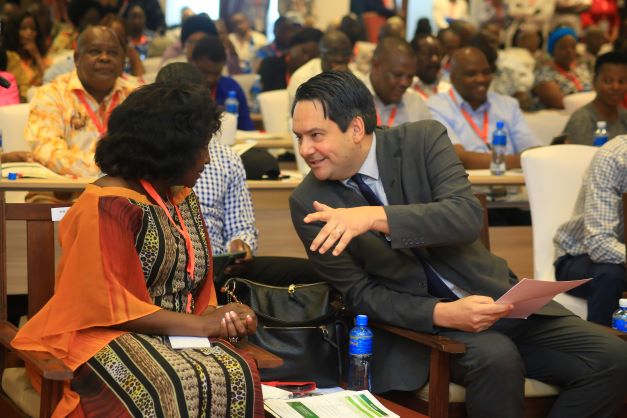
(470, 113)
(209, 57)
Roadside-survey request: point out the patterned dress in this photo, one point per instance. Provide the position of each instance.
(133, 374)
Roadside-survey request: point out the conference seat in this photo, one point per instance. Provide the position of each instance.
(572, 102)
(546, 124)
(554, 176)
(13, 119)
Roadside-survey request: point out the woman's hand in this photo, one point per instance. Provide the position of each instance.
(235, 320)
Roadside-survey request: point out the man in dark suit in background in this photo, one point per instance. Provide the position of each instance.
(388, 218)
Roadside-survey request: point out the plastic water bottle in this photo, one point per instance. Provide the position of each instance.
(600, 135)
(254, 96)
(499, 146)
(359, 355)
(619, 318)
(246, 67)
(231, 104)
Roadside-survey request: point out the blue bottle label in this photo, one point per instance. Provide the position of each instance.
(361, 344)
(620, 323)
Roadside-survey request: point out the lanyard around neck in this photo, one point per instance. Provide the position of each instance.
(570, 76)
(390, 119)
(481, 133)
(423, 93)
(101, 125)
(181, 230)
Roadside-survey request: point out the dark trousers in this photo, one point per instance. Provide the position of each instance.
(274, 271)
(602, 292)
(587, 362)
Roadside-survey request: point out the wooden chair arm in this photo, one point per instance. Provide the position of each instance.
(435, 342)
(264, 359)
(45, 364)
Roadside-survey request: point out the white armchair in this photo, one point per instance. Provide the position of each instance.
(273, 105)
(13, 120)
(553, 176)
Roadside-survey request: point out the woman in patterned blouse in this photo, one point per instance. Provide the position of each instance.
(137, 268)
(564, 75)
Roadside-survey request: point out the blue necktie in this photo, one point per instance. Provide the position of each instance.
(435, 286)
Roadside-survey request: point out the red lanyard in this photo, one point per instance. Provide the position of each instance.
(182, 230)
(100, 125)
(483, 133)
(570, 76)
(390, 119)
(423, 93)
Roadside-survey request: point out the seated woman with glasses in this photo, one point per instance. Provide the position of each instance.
(137, 268)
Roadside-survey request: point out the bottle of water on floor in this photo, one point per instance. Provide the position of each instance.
(231, 104)
(499, 147)
(619, 318)
(359, 355)
(600, 135)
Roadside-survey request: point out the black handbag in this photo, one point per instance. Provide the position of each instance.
(299, 323)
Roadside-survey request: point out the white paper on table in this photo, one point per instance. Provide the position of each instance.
(528, 296)
(56, 214)
(271, 392)
(345, 404)
(179, 342)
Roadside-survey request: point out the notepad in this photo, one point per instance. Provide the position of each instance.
(179, 342)
(29, 170)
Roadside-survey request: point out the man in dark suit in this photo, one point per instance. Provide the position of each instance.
(388, 218)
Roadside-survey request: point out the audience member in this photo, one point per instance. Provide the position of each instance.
(388, 218)
(232, 60)
(209, 57)
(26, 52)
(155, 19)
(10, 95)
(392, 73)
(362, 50)
(195, 27)
(610, 84)
(275, 72)
(132, 61)
(227, 207)
(48, 28)
(451, 42)
(429, 54)
(445, 11)
(374, 13)
(82, 13)
(284, 30)
(335, 54)
(139, 36)
(592, 242)
(564, 75)
(470, 113)
(149, 275)
(69, 115)
(305, 11)
(245, 40)
(423, 27)
(393, 27)
(594, 39)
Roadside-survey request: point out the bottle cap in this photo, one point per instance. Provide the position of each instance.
(232, 94)
(13, 176)
(622, 303)
(362, 320)
(601, 124)
(499, 124)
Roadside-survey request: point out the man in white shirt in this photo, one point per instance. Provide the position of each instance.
(429, 55)
(335, 54)
(392, 72)
(245, 40)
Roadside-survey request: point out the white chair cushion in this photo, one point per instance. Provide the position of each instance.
(456, 393)
(16, 385)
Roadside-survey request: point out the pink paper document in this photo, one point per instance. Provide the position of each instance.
(528, 296)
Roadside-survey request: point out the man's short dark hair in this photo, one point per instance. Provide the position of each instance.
(343, 97)
(197, 23)
(306, 35)
(210, 47)
(613, 57)
(157, 132)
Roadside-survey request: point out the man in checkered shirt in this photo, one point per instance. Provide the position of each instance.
(592, 242)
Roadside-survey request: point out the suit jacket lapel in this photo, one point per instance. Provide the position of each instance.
(389, 163)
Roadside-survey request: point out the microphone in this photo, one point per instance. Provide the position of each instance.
(4, 82)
